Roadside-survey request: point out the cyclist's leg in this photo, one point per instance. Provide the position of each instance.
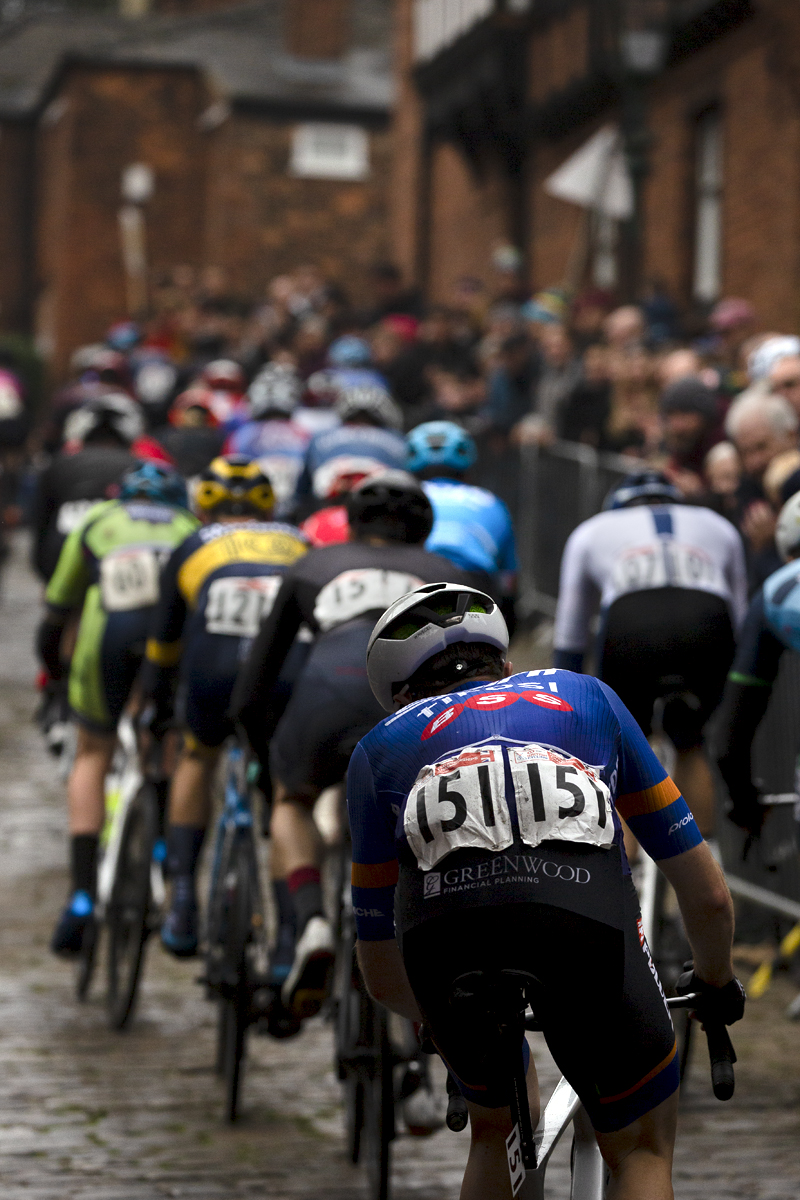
(486, 1172)
(209, 672)
(106, 659)
(640, 1155)
(693, 779)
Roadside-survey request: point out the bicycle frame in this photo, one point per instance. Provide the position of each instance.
(236, 812)
(125, 783)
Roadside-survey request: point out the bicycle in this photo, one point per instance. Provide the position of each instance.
(236, 953)
(501, 999)
(130, 879)
(370, 1045)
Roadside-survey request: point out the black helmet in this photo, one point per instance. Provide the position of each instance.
(391, 505)
(642, 487)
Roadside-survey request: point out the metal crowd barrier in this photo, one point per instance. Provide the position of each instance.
(549, 491)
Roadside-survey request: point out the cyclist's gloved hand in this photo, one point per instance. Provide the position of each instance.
(745, 810)
(715, 1004)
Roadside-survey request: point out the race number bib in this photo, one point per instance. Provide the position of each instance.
(129, 579)
(72, 513)
(238, 604)
(367, 589)
(559, 798)
(665, 564)
(458, 803)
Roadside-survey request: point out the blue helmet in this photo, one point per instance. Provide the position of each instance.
(649, 486)
(155, 481)
(349, 351)
(440, 444)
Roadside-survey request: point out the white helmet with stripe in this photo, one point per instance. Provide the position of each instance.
(420, 625)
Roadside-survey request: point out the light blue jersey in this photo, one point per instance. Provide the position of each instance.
(471, 527)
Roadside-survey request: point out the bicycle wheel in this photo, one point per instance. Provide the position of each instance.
(128, 912)
(378, 1132)
(229, 964)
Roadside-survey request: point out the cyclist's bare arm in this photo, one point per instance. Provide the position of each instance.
(707, 911)
(385, 976)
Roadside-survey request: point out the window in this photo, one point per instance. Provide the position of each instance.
(708, 207)
(327, 151)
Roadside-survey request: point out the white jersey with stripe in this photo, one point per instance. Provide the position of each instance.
(647, 546)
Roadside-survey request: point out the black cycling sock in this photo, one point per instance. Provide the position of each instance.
(305, 890)
(184, 843)
(83, 855)
(287, 916)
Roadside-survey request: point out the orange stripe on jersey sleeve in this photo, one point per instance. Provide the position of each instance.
(375, 875)
(652, 799)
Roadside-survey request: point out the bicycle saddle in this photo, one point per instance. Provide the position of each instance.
(503, 993)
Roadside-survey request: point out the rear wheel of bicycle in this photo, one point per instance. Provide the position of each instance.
(128, 913)
(230, 968)
(378, 1132)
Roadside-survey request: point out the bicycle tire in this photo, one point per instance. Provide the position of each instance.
(378, 1132)
(86, 963)
(127, 917)
(229, 934)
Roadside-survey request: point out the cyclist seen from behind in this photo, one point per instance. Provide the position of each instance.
(771, 627)
(337, 592)
(472, 527)
(108, 569)
(486, 837)
(669, 581)
(216, 588)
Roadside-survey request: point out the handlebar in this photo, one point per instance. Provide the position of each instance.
(720, 1048)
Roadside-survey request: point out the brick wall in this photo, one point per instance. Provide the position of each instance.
(17, 140)
(260, 220)
(406, 201)
(469, 216)
(101, 121)
(317, 28)
(558, 53)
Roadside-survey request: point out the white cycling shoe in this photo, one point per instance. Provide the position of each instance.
(306, 986)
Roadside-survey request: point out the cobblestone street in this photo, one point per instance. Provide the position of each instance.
(90, 1114)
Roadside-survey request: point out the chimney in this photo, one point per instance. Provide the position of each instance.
(317, 28)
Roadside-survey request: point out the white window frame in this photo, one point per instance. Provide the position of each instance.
(708, 183)
(315, 154)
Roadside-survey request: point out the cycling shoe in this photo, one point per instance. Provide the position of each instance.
(179, 932)
(72, 926)
(307, 984)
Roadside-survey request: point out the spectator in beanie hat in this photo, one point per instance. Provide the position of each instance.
(688, 411)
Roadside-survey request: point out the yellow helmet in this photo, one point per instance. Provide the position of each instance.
(234, 485)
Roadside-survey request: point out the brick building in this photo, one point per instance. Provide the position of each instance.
(495, 95)
(261, 128)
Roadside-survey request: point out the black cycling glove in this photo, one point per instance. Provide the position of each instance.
(715, 1004)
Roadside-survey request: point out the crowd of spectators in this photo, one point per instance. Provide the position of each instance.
(716, 407)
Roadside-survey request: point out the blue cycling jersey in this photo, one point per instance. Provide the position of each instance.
(350, 449)
(471, 527)
(543, 746)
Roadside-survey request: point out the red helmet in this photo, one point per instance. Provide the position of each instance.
(195, 396)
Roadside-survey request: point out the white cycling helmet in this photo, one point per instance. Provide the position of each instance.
(371, 400)
(276, 388)
(423, 623)
(787, 531)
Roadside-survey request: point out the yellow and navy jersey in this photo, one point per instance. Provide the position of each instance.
(221, 581)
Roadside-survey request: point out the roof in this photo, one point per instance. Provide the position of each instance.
(240, 50)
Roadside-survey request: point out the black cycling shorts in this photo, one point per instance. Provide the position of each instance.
(602, 1012)
(665, 640)
(331, 709)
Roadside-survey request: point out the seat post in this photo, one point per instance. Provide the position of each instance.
(520, 1105)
